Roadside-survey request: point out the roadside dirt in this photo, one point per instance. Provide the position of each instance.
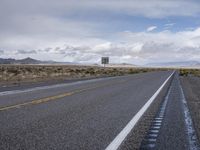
(17, 74)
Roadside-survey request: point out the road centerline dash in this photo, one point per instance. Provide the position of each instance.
(55, 97)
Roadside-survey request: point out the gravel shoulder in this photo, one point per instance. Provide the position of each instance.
(191, 87)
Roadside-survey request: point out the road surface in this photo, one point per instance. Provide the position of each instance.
(80, 115)
(172, 127)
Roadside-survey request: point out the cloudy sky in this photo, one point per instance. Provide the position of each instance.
(128, 31)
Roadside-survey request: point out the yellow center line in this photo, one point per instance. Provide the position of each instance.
(55, 97)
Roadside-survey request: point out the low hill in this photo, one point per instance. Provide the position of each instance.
(28, 60)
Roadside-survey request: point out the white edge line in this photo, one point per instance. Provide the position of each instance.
(114, 145)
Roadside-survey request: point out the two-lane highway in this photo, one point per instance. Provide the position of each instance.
(83, 115)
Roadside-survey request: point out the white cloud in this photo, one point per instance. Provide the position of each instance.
(129, 47)
(62, 30)
(167, 46)
(169, 24)
(151, 28)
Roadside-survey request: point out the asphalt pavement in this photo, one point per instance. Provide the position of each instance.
(80, 115)
(172, 127)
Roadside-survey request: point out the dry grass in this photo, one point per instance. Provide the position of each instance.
(186, 72)
(33, 73)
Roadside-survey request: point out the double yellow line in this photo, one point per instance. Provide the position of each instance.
(55, 97)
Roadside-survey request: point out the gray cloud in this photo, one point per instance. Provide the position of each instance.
(26, 51)
(55, 19)
(150, 8)
(1, 51)
(153, 48)
(64, 30)
(47, 49)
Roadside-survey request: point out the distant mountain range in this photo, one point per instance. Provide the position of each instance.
(28, 60)
(175, 64)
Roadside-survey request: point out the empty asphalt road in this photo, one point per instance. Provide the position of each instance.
(80, 115)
